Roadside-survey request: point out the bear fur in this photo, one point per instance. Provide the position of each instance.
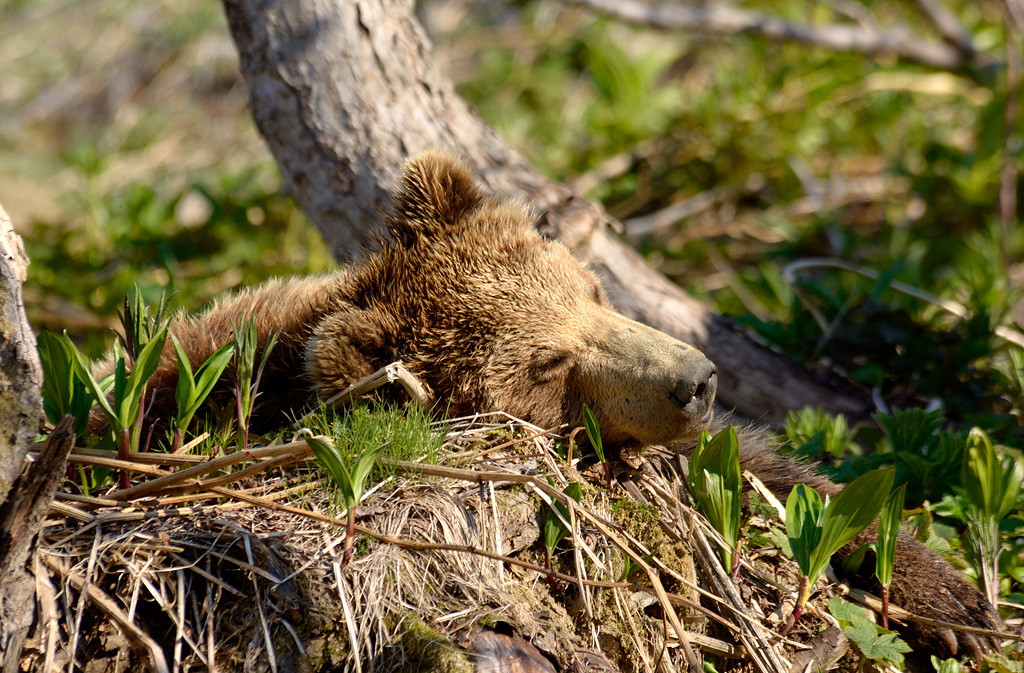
(489, 315)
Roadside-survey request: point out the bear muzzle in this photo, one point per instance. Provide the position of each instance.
(694, 392)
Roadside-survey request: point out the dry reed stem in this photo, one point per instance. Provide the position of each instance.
(110, 608)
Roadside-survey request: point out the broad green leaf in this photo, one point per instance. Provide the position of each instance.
(849, 513)
(63, 392)
(888, 531)
(359, 474)
(58, 375)
(593, 431)
(803, 509)
(853, 561)
(210, 372)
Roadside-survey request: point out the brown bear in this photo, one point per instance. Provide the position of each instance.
(491, 316)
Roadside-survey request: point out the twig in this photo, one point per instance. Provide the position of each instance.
(721, 18)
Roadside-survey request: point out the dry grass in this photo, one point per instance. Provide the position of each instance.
(234, 562)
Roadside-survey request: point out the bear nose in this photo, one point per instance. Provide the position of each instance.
(695, 390)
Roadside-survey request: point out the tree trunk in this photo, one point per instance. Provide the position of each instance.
(344, 91)
(24, 500)
(21, 377)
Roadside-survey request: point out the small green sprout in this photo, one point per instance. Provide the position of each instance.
(885, 553)
(717, 489)
(594, 433)
(350, 482)
(817, 529)
(248, 374)
(991, 486)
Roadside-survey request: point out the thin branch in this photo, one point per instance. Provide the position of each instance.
(721, 18)
(948, 25)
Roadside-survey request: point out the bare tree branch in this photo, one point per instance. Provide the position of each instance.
(721, 18)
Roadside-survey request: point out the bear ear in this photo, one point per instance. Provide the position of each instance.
(437, 191)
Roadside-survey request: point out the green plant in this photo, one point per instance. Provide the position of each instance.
(814, 433)
(555, 529)
(889, 522)
(991, 487)
(248, 373)
(193, 388)
(816, 530)
(63, 392)
(123, 411)
(594, 433)
(874, 642)
(349, 480)
(717, 489)
(945, 666)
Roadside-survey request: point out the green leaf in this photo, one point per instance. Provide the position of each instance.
(99, 392)
(853, 561)
(186, 388)
(888, 531)
(145, 364)
(874, 642)
(327, 455)
(555, 528)
(63, 392)
(349, 482)
(803, 511)
(849, 513)
(990, 483)
(717, 486)
(593, 431)
(360, 473)
(192, 390)
(945, 666)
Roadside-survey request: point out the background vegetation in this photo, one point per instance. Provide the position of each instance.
(127, 156)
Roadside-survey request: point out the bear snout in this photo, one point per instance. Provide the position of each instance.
(694, 391)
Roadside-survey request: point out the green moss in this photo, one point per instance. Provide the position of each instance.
(427, 649)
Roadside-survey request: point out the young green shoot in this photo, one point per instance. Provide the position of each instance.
(594, 433)
(248, 373)
(885, 552)
(349, 481)
(991, 486)
(817, 529)
(555, 528)
(123, 412)
(717, 489)
(193, 388)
